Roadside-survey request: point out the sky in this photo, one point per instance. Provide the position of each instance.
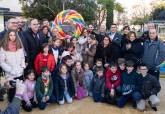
(128, 4)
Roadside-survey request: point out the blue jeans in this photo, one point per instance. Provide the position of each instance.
(42, 105)
(97, 97)
(135, 96)
(68, 98)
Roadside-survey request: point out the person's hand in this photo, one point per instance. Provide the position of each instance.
(13, 72)
(43, 99)
(106, 65)
(128, 46)
(86, 49)
(47, 98)
(102, 94)
(112, 93)
(20, 87)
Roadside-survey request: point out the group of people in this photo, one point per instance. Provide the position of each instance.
(109, 67)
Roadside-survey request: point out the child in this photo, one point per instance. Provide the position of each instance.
(69, 49)
(64, 86)
(44, 59)
(98, 85)
(29, 102)
(12, 59)
(98, 64)
(77, 51)
(78, 78)
(89, 51)
(44, 88)
(57, 49)
(69, 63)
(149, 88)
(121, 63)
(130, 86)
(113, 79)
(88, 78)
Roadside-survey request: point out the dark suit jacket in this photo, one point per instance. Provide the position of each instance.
(34, 43)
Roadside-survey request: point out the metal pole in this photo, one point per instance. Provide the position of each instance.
(63, 4)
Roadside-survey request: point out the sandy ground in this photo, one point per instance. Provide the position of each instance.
(87, 106)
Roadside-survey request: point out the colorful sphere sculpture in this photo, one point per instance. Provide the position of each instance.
(73, 20)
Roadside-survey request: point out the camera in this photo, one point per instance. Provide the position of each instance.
(12, 83)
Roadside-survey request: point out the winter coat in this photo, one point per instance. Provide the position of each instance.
(39, 62)
(129, 82)
(34, 43)
(40, 89)
(13, 63)
(154, 53)
(57, 52)
(88, 56)
(100, 37)
(98, 84)
(116, 39)
(112, 78)
(60, 87)
(108, 54)
(149, 85)
(29, 90)
(135, 53)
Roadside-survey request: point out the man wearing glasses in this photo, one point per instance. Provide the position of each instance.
(149, 88)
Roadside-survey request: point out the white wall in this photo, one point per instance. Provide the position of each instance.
(1, 23)
(12, 4)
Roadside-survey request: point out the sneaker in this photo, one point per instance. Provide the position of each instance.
(153, 107)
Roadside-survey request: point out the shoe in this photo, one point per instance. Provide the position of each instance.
(153, 107)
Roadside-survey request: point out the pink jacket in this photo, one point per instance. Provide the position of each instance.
(29, 90)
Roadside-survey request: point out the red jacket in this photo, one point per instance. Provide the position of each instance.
(42, 61)
(112, 78)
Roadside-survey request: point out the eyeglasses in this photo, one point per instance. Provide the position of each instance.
(14, 22)
(143, 69)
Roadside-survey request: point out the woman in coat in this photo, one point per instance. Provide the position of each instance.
(133, 49)
(107, 51)
(89, 51)
(12, 59)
